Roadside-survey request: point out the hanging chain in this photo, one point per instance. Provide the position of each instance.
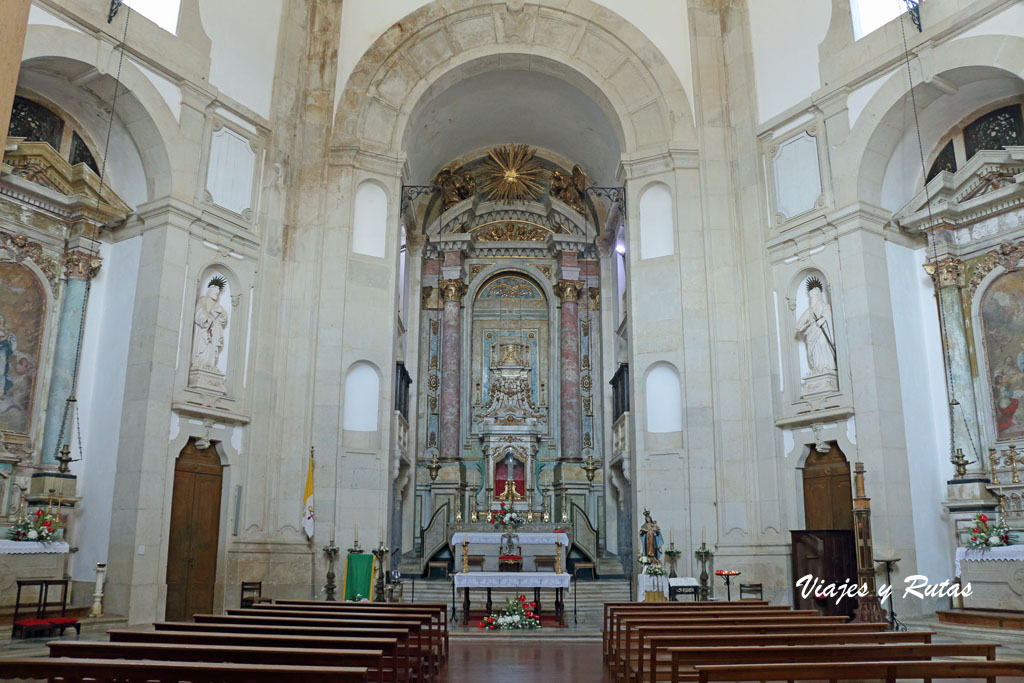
(953, 403)
(70, 405)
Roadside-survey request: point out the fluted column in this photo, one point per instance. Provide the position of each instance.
(79, 268)
(948, 275)
(568, 292)
(451, 353)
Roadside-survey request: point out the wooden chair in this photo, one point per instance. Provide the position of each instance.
(252, 592)
(586, 566)
(476, 561)
(547, 561)
(438, 564)
(754, 590)
(40, 623)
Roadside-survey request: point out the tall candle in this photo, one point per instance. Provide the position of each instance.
(332, 534)
(702, 529)
(357, 533)
(670, 540)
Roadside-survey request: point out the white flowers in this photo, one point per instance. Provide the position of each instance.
(33, 535)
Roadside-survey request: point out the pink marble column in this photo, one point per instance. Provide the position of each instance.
(451, 353)
(568, 291)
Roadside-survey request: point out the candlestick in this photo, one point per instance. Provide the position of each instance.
(356, 539)
(332, 534)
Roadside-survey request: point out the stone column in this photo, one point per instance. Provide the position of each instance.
(948, 275)
(80, 266)
(451, 353)
(14, 19)
(568, 292)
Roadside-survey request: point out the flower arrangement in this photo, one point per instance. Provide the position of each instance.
(503, 518)
(985, 535)
(518, 614)
(41, 526)
(650, 566)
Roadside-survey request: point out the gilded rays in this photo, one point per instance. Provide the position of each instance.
(511, 174)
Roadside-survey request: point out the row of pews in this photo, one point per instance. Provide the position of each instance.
(755, 641)
(288, 640)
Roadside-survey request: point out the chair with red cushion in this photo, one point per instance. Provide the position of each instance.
(27, 604)
(63, 621)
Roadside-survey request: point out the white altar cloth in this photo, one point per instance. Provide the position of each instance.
(511, 580)
(533, 538)
(683, 581)
(1003, 553)
(9, 547)
(652, 583)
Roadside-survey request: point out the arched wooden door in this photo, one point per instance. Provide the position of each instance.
(194, 533)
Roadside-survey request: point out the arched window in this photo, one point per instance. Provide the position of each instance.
(37, 123)
(362, 394)
(996, 129)
(163, 13)
(664, 401)
(656, 224)
(370, 221)
(870, 15)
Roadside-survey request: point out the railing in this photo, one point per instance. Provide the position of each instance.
(435, 535)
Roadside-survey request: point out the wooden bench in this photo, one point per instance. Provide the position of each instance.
(396, 658)
(684, 659)
(103, 670)
(661, 646)
(438, 609)
(886, 671)
(424, 618)
(44, 618)
(372, 660)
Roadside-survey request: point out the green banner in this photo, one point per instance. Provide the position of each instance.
(358, 576)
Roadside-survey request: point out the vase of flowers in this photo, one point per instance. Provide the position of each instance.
(506, 519)
(986, 534)
(517, 615)
(42, 526)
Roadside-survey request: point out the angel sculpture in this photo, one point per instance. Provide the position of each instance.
(454, 186)
(569, 189)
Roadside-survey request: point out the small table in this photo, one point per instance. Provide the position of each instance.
(683, 586)
(728, 578)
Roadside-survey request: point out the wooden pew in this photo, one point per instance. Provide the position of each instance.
(409, 643)
(427, 620)
(683, 658)
(661, 646)
(626, 655)
(396, 657)
(887, 671)
(372, 660)
(438, 608)
(612, 608)
(628, 641)
(418, 624)
(102, 670)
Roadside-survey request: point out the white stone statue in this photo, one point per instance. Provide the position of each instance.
(210, 321)
(815, 325)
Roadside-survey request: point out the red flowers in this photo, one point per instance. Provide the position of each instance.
(529, 614)
(39, 512)
(976, 530)
(481, 625)
(533, 605)
(982, 518)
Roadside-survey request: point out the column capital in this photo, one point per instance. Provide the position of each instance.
(569, 290)
(80, 265)
(946, 272)
(452, 290)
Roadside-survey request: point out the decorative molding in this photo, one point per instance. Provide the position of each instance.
(80, 265)
(452, 290)
(569, 290)
(946, 272)
(20, 247)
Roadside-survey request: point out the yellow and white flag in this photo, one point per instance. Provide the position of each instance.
(307, 510)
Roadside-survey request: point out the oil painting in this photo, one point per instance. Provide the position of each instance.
(1002, 316)
(22, 318)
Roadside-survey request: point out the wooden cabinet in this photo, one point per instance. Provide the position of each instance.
(829, 555)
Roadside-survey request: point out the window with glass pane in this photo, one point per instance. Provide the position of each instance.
(945, 161)
(995, 130)
(35, 123)
(80, 153)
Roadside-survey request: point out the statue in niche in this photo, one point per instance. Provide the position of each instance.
(510, 391)
(815, 326)
(210, 321)
(650, 537)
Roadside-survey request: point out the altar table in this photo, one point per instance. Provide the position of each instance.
(29, 560)
(517, 580)
(525, 538)
(996, 577)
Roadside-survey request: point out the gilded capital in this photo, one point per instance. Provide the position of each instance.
(569, 290)
(452, 290)
(79, 265)
(946, 272)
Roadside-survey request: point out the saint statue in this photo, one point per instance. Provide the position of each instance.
(650, 537)
(8, 347)
(816, 327)
(210, 321)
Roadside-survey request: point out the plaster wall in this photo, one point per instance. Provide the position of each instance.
(244, 37)
(925, 414)
(101, 389)
(784, 36)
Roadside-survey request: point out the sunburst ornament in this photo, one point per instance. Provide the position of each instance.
(511, 174)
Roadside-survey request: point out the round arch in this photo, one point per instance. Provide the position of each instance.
(586, 45)
(141, 108)
(881, 124)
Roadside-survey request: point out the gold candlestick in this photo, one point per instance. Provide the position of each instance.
(1012, 455)
(994, 461)
(465, 556)
(558, 556)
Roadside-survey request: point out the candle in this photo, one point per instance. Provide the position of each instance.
(702, 535)
(357, 533)
(670, 540)
(332, 534)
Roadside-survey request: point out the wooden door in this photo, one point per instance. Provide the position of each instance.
(828, 497)
(194, 534)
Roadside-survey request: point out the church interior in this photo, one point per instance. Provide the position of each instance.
(692, 330)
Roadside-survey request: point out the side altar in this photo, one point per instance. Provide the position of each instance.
(538, 545)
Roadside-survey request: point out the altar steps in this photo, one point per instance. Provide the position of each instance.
(590, 597)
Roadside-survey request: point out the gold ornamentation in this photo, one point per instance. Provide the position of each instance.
(569, 189)
(510, 288)
(512, 232)
(588, 440)
(433, 360)
(452, 290)
(434, 326)
(588, 406)
(433, 382)
(511, 174)
(946, 272)
(427, 296)
(20, 247)
(510, 493)
(432, 440)
(569, 290)
(1008, 256)
(455, 186)
(544, 268)
(595, 296)
(585, 326)
(586, 362)
(433, 407)
(586, 383)
(79, 265)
